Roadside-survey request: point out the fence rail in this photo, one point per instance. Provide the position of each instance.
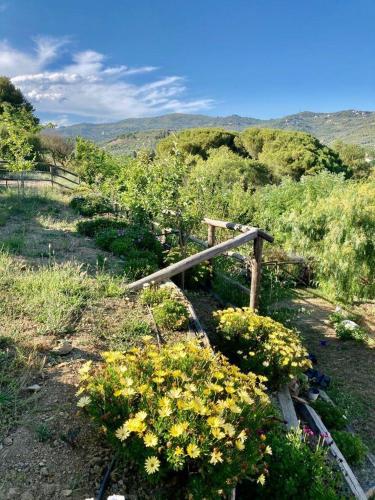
(42, 173)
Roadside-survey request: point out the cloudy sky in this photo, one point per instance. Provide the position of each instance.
(96, 61)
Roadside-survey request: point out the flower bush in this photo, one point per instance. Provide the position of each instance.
(180, 412)
(261, 345)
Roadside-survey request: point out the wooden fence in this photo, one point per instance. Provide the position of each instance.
(42, 174)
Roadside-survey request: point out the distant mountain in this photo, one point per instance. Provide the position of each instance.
(350, 126)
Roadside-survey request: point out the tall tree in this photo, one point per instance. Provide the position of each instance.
(13, 96)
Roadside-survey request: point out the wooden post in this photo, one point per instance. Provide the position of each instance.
(211, 243)
(256, 268)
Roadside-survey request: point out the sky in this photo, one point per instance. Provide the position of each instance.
(103, 61)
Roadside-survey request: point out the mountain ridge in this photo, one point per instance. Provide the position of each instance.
(352, 126)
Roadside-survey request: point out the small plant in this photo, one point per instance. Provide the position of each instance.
(171, 315)
(43, 433)
(183, 415)
(91, 205)
(139, 264)
(151, 296)
(94, 226)
(348, 330)
(131, 332)
(295, 471)
(261, 345)
(333, 418)
(351, 446)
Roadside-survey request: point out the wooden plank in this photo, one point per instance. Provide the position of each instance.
(193, 260)
(317, 425)
(256, 269)
(287, 408)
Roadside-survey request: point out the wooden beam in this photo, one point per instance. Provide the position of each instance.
(317, 425)
(256, 269)
(237, 227)
(193, 260)
(287, 408)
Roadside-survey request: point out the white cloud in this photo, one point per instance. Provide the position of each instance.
(88, 87)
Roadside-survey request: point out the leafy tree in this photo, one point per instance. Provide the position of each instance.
(13, 96)
(93, 163)
(289, 153)
(58, 148)
(196, 142)
(360, 160)
(17, 135)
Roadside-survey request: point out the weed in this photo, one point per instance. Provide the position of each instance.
(351, 446)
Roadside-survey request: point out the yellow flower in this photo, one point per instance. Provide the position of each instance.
(216, 457)
(178, 451)
(136, 425)
(123, 432)
(193, 451)
(215, 421)
(268, 450)
(152, 465)
(165, 411)
(178, 429)
(229, 429)
(261, 479)
(242, 436)
(150, 440)
(239, 445)
(217, 433)
(141, 415)
(175, 393)
(262, 437)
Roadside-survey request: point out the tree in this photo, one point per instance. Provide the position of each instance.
(196, 142)
(13, 96)
(289, 153)
(58, 148)
(359, 160)
(92, 162)
(17, 133)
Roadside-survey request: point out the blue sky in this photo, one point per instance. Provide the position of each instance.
(100, 61)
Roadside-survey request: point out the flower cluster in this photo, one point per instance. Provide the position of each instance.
(180, 409)
(261, 345)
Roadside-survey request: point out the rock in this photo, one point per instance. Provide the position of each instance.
(64, 349)
(44, 471)
(33, 388)
(48, 490)
(8, 441)
(27, 496)
(13, 493)
(66, 493)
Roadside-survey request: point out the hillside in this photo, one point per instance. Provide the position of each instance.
(350, 126)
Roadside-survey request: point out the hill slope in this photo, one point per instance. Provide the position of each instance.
(350, 126)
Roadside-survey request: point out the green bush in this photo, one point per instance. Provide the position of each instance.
(295, 471)
(92, 227)
(104, 239)
(91, 205)
(351, 446)
(171, 315)
(350, 331)
(333, 418)
(139, 264)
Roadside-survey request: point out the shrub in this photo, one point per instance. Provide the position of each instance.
(331, 415)
(197, 276)
(351, 446)
(91, 205)
(139, 264)
(94, 226)
(261, 345)
(104, 239)
(295, 471)
(151, 296)
(171, 315)
(180, 413)
(348, 330)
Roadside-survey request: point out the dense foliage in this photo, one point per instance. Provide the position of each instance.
(180, 411)
(261, 345)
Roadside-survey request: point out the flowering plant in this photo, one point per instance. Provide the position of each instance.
(261, 345)
(181, 410)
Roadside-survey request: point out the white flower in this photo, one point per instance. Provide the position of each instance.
(83, 401)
